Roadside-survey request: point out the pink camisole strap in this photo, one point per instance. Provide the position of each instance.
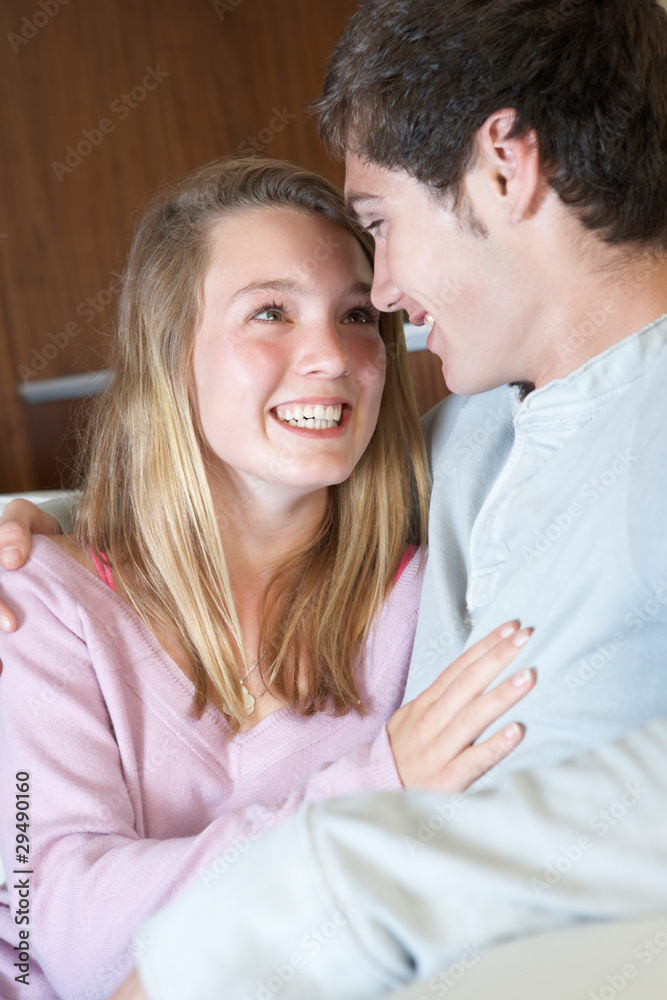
(405, 561)
(103, 568)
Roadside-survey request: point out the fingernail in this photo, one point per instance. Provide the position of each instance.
(522, 637)
(512, 732)
(522, 678)
(10, 558)
(5, 623)
(507, 629)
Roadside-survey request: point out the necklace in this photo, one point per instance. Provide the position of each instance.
(248, 700)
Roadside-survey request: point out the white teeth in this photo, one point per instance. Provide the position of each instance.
(313, 416)
(429, 321)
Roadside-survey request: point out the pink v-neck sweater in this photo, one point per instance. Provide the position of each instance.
(131, 798)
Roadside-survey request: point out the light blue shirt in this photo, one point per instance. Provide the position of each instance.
(551, 509)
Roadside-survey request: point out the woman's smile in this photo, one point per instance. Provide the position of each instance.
(317, 418)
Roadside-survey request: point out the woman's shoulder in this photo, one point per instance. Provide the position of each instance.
(74, 549)
(410, 574)
(56, 576)
(398, 615)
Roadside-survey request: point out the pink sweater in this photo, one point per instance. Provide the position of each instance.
(131, 798)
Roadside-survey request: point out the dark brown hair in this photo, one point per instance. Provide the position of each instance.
(412, 81)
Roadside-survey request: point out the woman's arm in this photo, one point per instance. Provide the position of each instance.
(95, 877)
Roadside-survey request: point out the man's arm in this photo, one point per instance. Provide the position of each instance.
(358, 896)
(22, 519)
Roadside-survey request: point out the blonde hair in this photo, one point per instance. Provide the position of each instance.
(147, 503)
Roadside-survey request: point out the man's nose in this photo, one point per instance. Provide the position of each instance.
(385, 296)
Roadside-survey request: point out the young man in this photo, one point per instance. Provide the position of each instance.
(510, 158)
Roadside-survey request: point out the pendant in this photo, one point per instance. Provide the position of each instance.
(248, 700)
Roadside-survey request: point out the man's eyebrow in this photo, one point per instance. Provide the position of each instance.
(355, 198)
(285, 285)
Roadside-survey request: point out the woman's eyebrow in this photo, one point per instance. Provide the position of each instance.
(285, 285)
(360, 288)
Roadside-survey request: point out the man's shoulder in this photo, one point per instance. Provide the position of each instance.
(440, 423)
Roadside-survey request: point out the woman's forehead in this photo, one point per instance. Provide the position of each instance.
(246, 243)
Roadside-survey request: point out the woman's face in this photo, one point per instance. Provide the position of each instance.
(288, 364)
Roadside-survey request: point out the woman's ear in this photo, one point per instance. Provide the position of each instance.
(511, 166)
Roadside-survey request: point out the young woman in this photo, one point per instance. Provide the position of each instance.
(227, 632)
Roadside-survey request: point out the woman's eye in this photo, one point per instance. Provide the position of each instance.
(269, 314)
(363, 316)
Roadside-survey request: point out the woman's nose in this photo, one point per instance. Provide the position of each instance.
(323, 352)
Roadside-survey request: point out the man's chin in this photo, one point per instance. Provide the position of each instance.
(459, 378)
(469, 384)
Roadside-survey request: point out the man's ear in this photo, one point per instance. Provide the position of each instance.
(511, 166)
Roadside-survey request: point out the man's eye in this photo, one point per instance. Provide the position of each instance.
(375, 228)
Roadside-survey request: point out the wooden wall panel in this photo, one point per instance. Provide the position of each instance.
(430, 386)
(146, 89)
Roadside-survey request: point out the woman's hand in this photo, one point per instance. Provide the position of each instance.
(19, 522)
(131, 989)
(431, 736)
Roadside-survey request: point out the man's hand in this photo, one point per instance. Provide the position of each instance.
(19, 522)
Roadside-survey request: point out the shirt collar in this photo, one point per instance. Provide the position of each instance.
(591, 386)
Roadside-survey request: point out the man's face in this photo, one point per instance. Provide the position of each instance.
(463, 267)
